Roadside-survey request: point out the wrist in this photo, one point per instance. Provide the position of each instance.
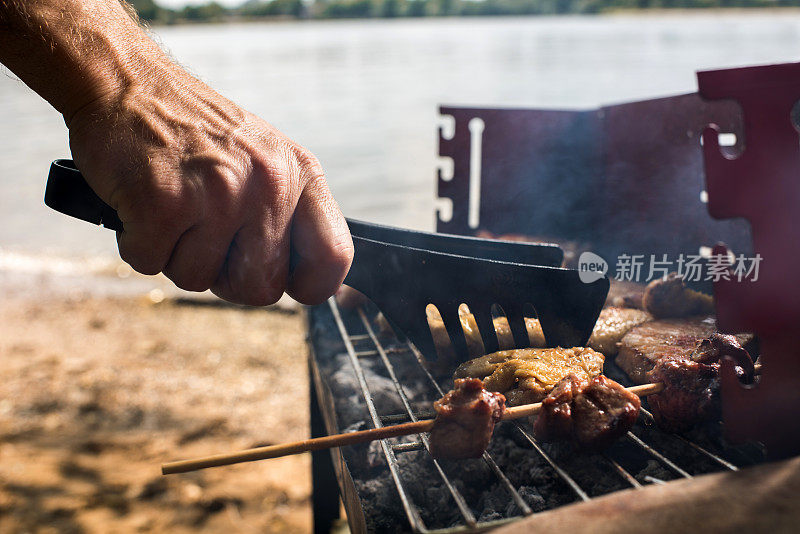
(76, 53)
(114, 60)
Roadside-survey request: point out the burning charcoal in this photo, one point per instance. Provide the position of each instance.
(691, 384)
(465, 419)
(375, 457)
(593, 412)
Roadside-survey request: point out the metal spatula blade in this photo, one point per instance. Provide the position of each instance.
(404, 271)
(403, 280)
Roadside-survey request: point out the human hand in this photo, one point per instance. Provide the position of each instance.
(210, 194)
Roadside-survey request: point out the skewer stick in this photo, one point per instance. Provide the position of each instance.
(351, 438)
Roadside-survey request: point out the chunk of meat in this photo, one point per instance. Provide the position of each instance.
(669, 297)
(528, 375)
(612, 324)
(593, 413)
(465, 419)
(691, 383)
(644, 345)
(625, 294)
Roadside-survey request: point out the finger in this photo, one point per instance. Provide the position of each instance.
(145, 247)
(321, 244)
(197, 257)
(257, 267)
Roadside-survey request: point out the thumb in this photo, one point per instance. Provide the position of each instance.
(321, 245)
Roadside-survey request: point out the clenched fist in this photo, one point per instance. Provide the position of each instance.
(209, 194)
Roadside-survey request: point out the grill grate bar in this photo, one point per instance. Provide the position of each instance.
(517, 498)
(408, 447)
(721, 461)
(466, 513)
(629, 478)
(563, 474)
(724, 463)
(515, 495)
(394, 419)
(658, 456)
(411, 510)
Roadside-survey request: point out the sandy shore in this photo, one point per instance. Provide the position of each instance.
(97, 391)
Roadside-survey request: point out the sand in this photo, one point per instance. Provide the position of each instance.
(97, 391)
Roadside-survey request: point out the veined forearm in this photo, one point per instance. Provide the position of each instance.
(208, 194)
(73, 52)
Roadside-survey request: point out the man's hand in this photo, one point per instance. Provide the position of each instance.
(209, 194)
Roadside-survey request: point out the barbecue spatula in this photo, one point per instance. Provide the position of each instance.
(402, 271)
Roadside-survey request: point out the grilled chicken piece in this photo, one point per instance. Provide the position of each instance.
(465, 419)
(691, 383)
(528, 375)
(612, 324)
(644, 345)
(593, 412)
(669, 297)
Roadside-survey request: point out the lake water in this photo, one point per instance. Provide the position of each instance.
(363, 95)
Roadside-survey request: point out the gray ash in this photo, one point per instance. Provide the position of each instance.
(488, 499)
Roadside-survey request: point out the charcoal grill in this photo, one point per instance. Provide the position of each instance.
(351, 337)
(626, 179)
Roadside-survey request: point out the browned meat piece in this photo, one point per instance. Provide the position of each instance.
(528, 375)
(612, 324)
(691, 384)
(625, 294)
(646, 344)
(465, 419)
(593, 412)
(671, 298)
(713, 349)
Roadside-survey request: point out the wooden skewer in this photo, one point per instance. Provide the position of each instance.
(351, 438)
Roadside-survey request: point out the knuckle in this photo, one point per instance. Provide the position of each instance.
(340, 254)
(308, 163)
(280, 189)
(275, 182)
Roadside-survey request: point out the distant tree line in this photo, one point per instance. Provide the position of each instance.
(212, 11)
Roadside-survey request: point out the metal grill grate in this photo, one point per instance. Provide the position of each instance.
(366, 344)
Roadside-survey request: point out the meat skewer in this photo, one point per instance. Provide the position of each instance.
(351, 438)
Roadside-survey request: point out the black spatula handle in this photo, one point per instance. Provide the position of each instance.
(67, 192)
